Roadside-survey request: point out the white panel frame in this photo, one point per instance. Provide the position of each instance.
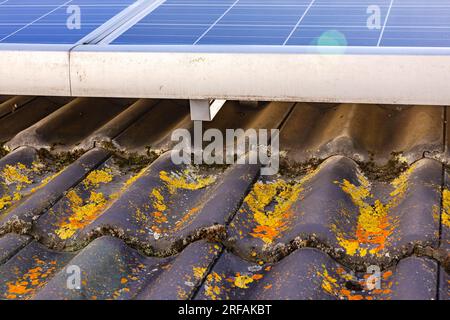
(35, 70)
(335, 74)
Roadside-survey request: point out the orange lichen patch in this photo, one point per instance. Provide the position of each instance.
(213, 287)
(271, 223)
(335, 285)
(243, 281)
(374, 225)
(257, 276)
(159, 217)
(446, 208)
(187, 217)
(387, 275)
(280, 195)
(35, 278)
(83, 213)
(188, 179)
(128, 281)
(158, 203)
(163, 195)
(97, 177)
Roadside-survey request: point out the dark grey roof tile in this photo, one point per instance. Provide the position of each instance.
(444, 285)
(26, 115)
(59, 226)
(184, 274)
(335, 207)
(66, 128)
(109, 269)
(310, 274)
(29, 270)
(415, 279)
(362, 132)
(10, 244)
(170, 205)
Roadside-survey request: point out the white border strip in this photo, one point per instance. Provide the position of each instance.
(278, 76)
(35, 70)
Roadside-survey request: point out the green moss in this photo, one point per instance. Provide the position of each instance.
(58, 161)
(385, 173)
(3, 151)
(292, 170)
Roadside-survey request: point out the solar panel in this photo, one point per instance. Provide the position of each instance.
(54, 21)
(369, 51)
(368, 23)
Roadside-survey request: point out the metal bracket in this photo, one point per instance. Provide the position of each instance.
(205, 110)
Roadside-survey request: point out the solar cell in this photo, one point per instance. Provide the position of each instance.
(368, 23)
(54, 21)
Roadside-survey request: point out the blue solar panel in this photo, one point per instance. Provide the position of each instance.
(406, 23)
(52, 22)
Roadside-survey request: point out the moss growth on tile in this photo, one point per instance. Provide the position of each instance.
(384, 173)
(58, 161)
(291, 169)
(3, 151)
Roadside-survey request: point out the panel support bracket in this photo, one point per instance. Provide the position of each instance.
(205, 110)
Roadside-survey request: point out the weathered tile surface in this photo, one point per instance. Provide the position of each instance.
(359, 210)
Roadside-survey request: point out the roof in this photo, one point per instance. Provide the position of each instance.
(88, 182)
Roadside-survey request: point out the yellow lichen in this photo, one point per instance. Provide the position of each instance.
(96, 177)
(5, 202)
(281, 195)
(16, 174)
(446, 208)
(374, 225)
(242, 281)
(199, 272)
(158, 204)
(187, 180)
(82, 213)
(15, 179)
(270, 223)
(134, 178)
(212, 286)
(160, 196)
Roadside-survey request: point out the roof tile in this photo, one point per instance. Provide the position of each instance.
(140, 228)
